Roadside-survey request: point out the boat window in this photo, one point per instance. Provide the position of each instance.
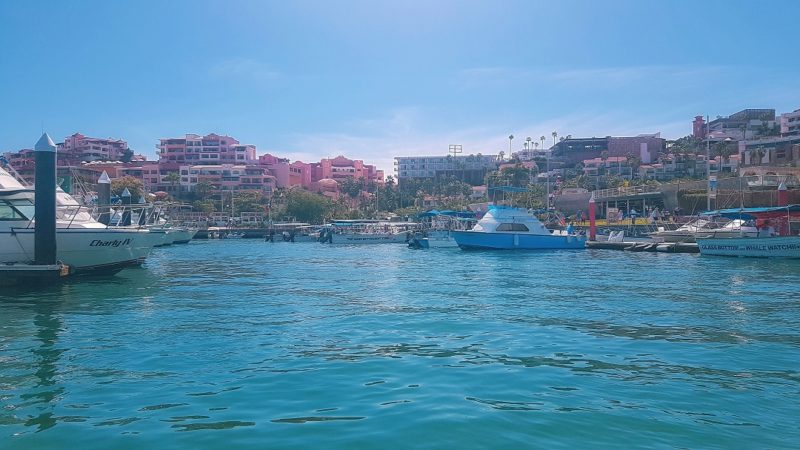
(512, 227)
(25, 207)
(9, 212)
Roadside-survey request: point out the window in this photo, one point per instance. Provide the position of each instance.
(512, 227)
(17, 211)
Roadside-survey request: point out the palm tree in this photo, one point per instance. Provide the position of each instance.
(173, 178)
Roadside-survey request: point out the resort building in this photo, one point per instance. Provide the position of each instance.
(210, 149)
(227, 177)
(341, 168)
(470, 169)
(79, 148)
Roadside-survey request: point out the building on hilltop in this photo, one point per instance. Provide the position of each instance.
(790, 123)
(75, 150)
(571, 151)
(211, 149)
(745, 124)
(79, 148)
(341, 168)
(771, 151)
(470, 169)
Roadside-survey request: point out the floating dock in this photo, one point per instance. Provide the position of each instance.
(666, 247)
(22, 274)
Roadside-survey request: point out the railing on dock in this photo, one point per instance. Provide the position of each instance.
(626, 191)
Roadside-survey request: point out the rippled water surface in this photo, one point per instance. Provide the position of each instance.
(251, 344)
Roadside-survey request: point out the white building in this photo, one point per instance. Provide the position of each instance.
(790, 123)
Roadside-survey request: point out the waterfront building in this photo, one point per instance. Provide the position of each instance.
(470, 169)
(227, 177)
(771, 151)
(571, 151)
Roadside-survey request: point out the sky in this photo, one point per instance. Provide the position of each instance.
(377, 79)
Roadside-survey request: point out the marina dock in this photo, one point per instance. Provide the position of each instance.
(666, 247)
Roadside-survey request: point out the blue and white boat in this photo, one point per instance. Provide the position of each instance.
(507, 228)
(776, 237)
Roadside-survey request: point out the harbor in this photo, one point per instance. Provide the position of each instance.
(312, 340)
(350, 224)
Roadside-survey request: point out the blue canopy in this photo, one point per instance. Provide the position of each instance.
(751, 213)
(508, 189)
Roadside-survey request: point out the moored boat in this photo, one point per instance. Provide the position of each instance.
(82, 243)
(507, 228)
(777, 236)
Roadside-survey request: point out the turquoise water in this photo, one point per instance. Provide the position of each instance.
(255, 345)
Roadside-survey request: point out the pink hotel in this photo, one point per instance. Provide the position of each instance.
(227, 164)
(220, 160)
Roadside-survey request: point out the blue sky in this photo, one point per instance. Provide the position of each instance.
(378, 79)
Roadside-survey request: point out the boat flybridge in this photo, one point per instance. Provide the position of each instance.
(82, 243)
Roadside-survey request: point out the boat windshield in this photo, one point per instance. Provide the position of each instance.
(16, 209)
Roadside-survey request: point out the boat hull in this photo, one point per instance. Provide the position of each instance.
(754, 247)
(83, 250)
(517, 241)
(368, 238)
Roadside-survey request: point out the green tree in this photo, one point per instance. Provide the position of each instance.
(351, 187)
(308, 207)
(127, 155)
(133, 184)
(202, 189)
(249, 201)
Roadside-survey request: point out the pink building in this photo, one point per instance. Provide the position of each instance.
(300, 174)
(341, 168)
(79, 148)
(210, 149)
(278, 167)
(228, 177)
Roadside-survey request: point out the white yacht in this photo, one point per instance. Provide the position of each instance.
(703, 227)
(83, 243)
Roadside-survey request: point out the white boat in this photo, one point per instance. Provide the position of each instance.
(684, 233)
(506, 228)
(704, 227)
(82, 243)
(777, 234)
(182, 235)
(358, 232)
(361, 238)
(752, 247)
